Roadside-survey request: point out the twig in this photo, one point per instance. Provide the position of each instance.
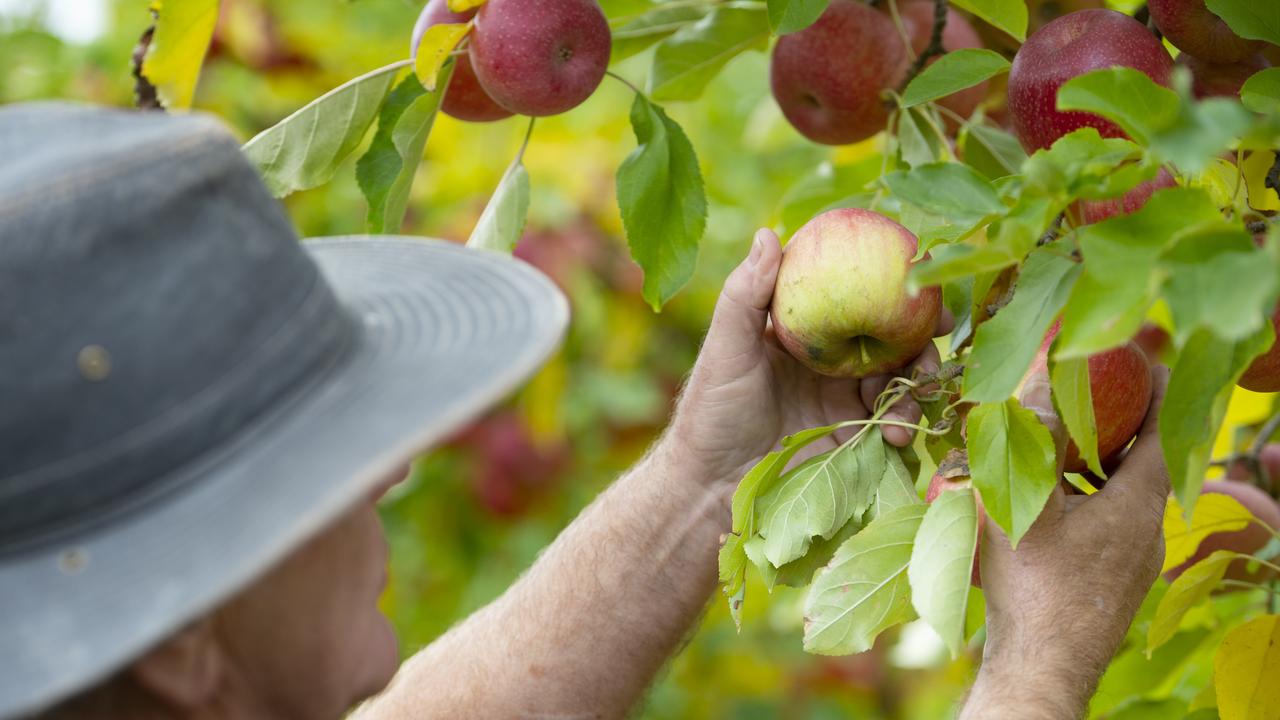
(1054, 231)
(144, 93)
(1273, 175)
(935, 43)
(1252, 457)
(1257, 226)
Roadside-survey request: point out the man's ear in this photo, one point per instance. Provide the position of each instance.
(186, 669)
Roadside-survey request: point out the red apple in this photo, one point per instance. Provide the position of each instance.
(1221, 79)
(917, 18)
(1120, 383)
(1263, 374)
(464, 99)
(1068, 47)
(1249, 540)
(827, 78)
(1192, 28)
(953, 474)
(841, 304)
(1092, 211)
(540, 58)
(1152, 340)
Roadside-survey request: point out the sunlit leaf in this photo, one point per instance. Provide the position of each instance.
(655, 24)
(864, 589)
(503, 218)
(942, 564)
(684, 63)
(1261, 92)
(1249, 19)
(1190, 588)
(1214, 513)
(1008, 15)
(305, 149)
(1245, 669)
(788, 16)
(1013, 464)
(1073, 400)
(433, 51)
(184, 29)
(953, 72)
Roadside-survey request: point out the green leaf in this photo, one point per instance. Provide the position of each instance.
(824, 187)
(1121, 277)
(864, 589)
(942, 564)
(1081, 162)
(954, 191)
(952, 73)
(1261, 92)
(1249, 18)
(1196, 403)
(1073, 399)
(952, 262)
(1201, 132)
(663, 202)
(385, 172)
(184, 29)
(1189, 589)
(1011, 456)
(788, 16)
(1008, 15)
(1123, 95)
(991, 151)
(1219, 281)
(1004, 347)
(660, 22)
(503, 218)
(799, 572)
(685, 62)
(918, 142)
(759, 479)
(897, 489)
(820, 495)
(305, 149)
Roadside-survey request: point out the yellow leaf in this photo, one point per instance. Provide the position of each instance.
(437, 43)
(1214, 513)
(1187, 591)
(1255, 168)
(184, 29)
(465, 5)
(1245, 671)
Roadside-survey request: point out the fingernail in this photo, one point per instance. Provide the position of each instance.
(757, 247)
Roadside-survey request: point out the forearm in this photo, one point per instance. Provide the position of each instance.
(1030, 687)
(585, 630)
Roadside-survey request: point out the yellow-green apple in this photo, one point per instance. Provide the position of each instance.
(465, 99)
(1092, 211)
(828, 78)
(1209, 79)
(540, 58)
(1070, 46)
(1192, 28)
(1120, 383)
(917, 18)
(1248, 540)
(1263, 374)
(841, 304)
(953, 474)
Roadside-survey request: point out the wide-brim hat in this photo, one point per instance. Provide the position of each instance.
(187, 393)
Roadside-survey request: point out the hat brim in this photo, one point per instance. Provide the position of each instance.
(444, 332)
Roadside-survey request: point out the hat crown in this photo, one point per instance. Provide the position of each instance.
(154, 300)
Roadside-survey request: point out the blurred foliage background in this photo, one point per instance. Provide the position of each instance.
(477, 512)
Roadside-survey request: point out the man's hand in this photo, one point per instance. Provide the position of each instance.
(746, 392)
(1058, 607)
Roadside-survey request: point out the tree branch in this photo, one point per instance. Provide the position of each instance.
(144, 93)
(935, 44)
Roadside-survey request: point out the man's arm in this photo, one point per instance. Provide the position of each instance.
(582, 634)
(1058, 607)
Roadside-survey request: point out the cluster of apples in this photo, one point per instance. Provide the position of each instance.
(841, 304)
(523, 58)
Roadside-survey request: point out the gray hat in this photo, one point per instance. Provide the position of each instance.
(187, 393)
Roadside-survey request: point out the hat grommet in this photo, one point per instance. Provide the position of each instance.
(94, 363)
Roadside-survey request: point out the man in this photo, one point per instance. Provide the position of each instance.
(199, 414)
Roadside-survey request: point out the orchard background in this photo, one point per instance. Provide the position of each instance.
(477, 511)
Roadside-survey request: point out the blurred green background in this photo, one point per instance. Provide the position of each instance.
(477, 512)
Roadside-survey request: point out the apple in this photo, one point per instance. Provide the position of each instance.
(1268, 458)
(827, 78)
(1263, 374)
(1120, 383)
(1194, 29)
(953, 474)
(465, 99)
(1209, 79)
(1153, 340)
(1092, 211)
(1248, 540)
(841, 304)
(540, 58)
(1070, 46)
(917, 18)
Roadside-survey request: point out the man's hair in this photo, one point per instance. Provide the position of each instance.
(117, 698)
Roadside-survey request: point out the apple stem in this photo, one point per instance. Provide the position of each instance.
(624, 81)
(862, 348)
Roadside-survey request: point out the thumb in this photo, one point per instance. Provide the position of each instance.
(743, 307)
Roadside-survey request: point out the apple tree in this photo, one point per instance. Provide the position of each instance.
(1081, 202)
